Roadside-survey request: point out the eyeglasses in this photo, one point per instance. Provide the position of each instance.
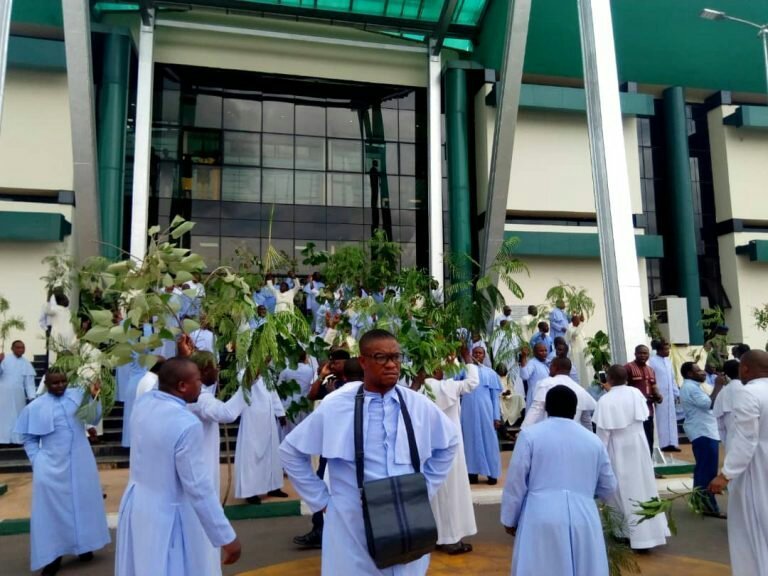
(383, 359)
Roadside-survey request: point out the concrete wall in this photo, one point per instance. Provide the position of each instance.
(551, 164)
(744, 282)
(23, 267)
(739, 168)
(35, 136)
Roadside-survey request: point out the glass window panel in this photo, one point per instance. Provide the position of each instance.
(229, 245)
(408, 102)
(299, 245)
(392, 191)
(407, 159)
(315, 230)
(343, 123)
(278, 117)
(169, 107)
(242, 228)
(241, 184)
(306, 213)
(407, 126)
(408, 193)
(203, 146)
(248, 210)
(310, 120)
(242, 115)
(209, 248)
(279, 230)
(242, 148)
(310, 188)
(283, 246)
(349, 232)
(277, 151)
(345, 190)
(408, 255)
(166, 182)
(310, 153)
(205, 209)
(206, 182)
(165, 143)
(277, 186)
(207, 111)
(345, 155)
(384, 154)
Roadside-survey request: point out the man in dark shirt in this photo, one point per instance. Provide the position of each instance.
(642, 377)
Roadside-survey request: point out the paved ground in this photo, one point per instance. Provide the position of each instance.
(699, 549)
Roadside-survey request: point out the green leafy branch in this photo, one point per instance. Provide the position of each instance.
(696, 498)
(8, 323)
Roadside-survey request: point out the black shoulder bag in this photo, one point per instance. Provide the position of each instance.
(399, 524)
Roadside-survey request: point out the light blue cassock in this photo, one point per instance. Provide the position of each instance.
(265, 297)
(128, 377)
(558, 323)
(17, 384)
(67, 504)
(534, 371)
(170, 483)
(556, 471)
(479, 409)
(329, 431)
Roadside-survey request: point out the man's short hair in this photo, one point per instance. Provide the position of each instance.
(172, 372)
(339, 354)
(731, 369)
(542, 325)
(562, 364)
(373, 336)
(16, 342)
(561, 402)
(617, 373)
(686, 368)
(639, 346)
(353, 371)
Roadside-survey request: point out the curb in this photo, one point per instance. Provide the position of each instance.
(16, 526)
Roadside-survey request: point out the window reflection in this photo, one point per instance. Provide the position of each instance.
(242, 148)
(310, 153)
(345, 190)
(277, 151)
(242, 115)
(241, 184)
(277, 186)
(278, 117)
(345, 155)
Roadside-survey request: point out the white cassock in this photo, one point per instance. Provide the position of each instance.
(577, 353)
(257, 456)
(212, 412)
(723, 409)
(619, 419)
(585, 405)
(666, 412)
(17, 385)
(746, 466)
(329, 431)
(169, 484)
(203, 340)
(452, 505)
(284, 300)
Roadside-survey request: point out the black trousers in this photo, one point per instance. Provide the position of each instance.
(648, 427)
(318, 518)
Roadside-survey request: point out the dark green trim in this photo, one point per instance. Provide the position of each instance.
(14, 526)
(265, 510)
(748, 117)
(38, 12)
(113, 110)
(457, 152)
(683, 231)
(33, 227)
(674, 470)
(576, 245)
(36, 54)
(575, 100)
(757, 250)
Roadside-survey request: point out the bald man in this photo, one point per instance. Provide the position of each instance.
(745, 471)
(169, 484)
(559, 375)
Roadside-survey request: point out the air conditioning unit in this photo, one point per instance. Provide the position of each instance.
(672, 313)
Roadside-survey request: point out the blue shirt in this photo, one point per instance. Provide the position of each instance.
(545, 339)
(558, 322)
(697, 406)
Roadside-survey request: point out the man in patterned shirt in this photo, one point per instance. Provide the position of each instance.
(642, 377)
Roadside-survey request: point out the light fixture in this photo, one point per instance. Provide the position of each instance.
(709, 14)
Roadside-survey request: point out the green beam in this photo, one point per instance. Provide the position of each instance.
(36, 54)
(112, 113)
(683, 232)
(33, 227)
(540, 97)
(757, 250)
(577, 245)
(748, 117)
(457, 152)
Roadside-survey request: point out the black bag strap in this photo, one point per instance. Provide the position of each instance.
(359, 454)
(414, 448)
(359, 450)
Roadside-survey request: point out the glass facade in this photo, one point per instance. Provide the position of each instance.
(323, 162)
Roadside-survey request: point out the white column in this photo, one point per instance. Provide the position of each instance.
(618, 255)
(141, 155)
(5, 33)
(435, 169)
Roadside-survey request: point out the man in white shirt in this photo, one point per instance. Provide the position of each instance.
(558, 375)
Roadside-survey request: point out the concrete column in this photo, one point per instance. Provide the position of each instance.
(684, 253)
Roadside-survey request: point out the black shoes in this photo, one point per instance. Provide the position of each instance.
(312, 539)
(473, 479)
(492, 481)
(253, 500)
(671, 449)
(87, 557)
(52, 568)
(277, 494)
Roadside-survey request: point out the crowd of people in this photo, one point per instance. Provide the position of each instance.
(577, 441)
